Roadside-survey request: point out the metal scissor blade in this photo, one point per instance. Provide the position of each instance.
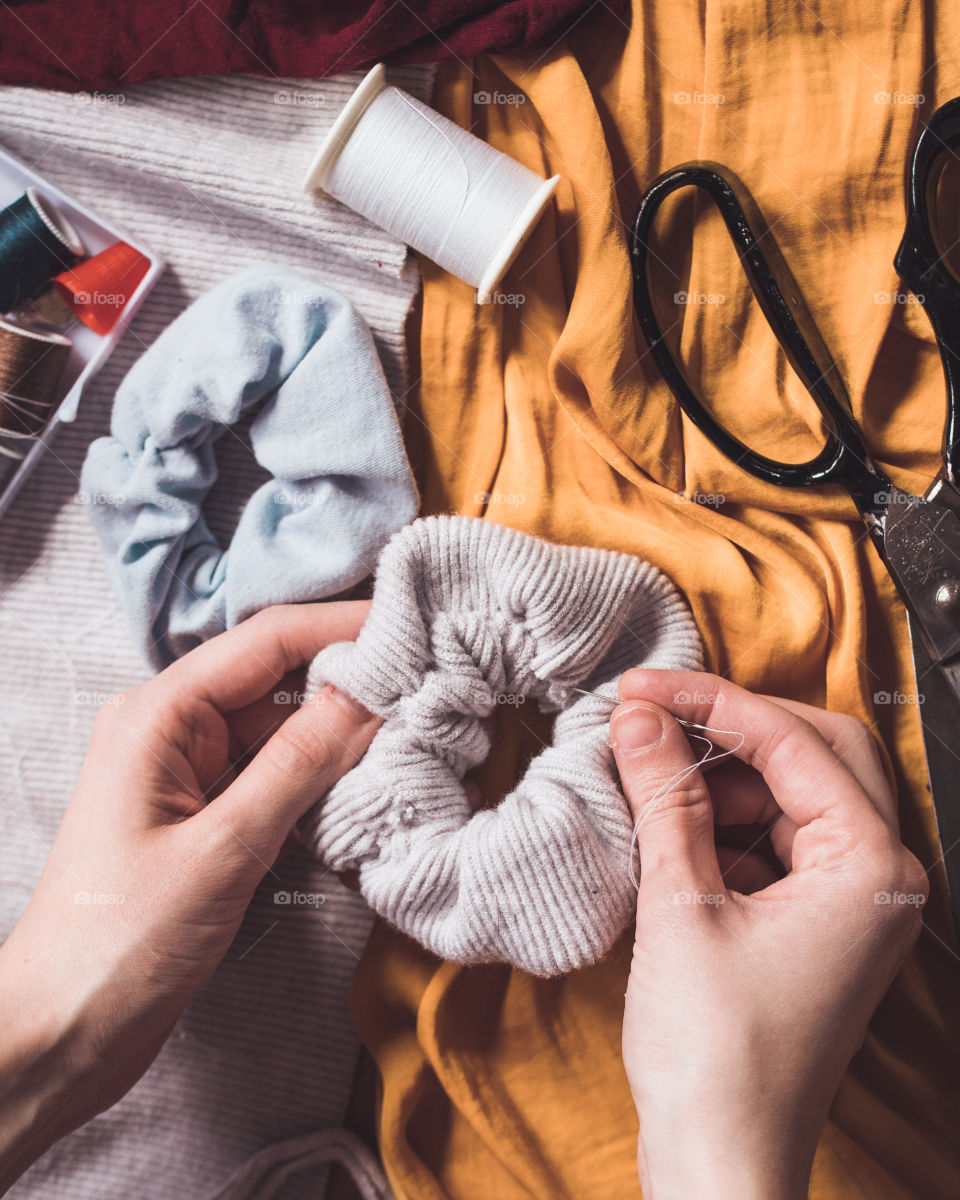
(920, 544)
(938, 697)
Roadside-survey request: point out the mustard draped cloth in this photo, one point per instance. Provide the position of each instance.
(546, 414)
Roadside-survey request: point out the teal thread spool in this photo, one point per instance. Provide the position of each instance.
(36, 243)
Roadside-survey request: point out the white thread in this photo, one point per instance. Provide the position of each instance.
(679, 777)
(431, 184)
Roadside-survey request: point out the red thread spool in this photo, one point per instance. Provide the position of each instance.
(97, 289)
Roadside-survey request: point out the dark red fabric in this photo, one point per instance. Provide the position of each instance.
(93, 44)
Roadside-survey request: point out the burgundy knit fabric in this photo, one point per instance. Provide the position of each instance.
(88, 45)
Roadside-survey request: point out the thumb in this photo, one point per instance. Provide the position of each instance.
(668, 798)
(312, 749)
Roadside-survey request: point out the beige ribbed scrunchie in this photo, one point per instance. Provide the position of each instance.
(467, 615)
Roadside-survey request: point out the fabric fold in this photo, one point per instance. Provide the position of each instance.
(574, 436)
(82, 44)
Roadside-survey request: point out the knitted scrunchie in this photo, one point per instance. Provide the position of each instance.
(326, 430)
(465, 615)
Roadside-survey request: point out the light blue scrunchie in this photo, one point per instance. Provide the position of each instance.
(327, 432)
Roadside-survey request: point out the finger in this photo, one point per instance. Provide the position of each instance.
(805, 776)
(743, 871)
(251, 725)
(741, 796)
(855, 746)
(668, 798)
(238, 667)
(474, 794)
(305, 757)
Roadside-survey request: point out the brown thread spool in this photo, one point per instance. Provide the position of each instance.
(31, 365)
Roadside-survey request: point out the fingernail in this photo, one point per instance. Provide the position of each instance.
(349, 702)
(636, 728)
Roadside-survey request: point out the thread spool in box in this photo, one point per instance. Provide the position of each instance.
(36, 243)
(429, 183)
(90, 350)
(31, 364)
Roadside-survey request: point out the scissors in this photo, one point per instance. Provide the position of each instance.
(917, 537)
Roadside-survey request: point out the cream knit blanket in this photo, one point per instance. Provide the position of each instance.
(206, 172)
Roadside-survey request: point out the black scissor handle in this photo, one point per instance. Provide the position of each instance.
(843, 459)
(921, 263)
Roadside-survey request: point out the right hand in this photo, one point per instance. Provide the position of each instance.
(744, 1007)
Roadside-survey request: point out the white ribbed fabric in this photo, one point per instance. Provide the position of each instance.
(208, 173)
(467, 615)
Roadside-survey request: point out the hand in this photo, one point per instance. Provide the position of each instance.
(744, 1010)
(159, 853)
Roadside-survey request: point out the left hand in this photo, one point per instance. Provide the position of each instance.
(159, 853)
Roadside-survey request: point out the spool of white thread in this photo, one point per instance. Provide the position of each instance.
(430, 183)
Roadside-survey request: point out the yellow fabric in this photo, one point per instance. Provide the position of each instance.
(548, 417)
